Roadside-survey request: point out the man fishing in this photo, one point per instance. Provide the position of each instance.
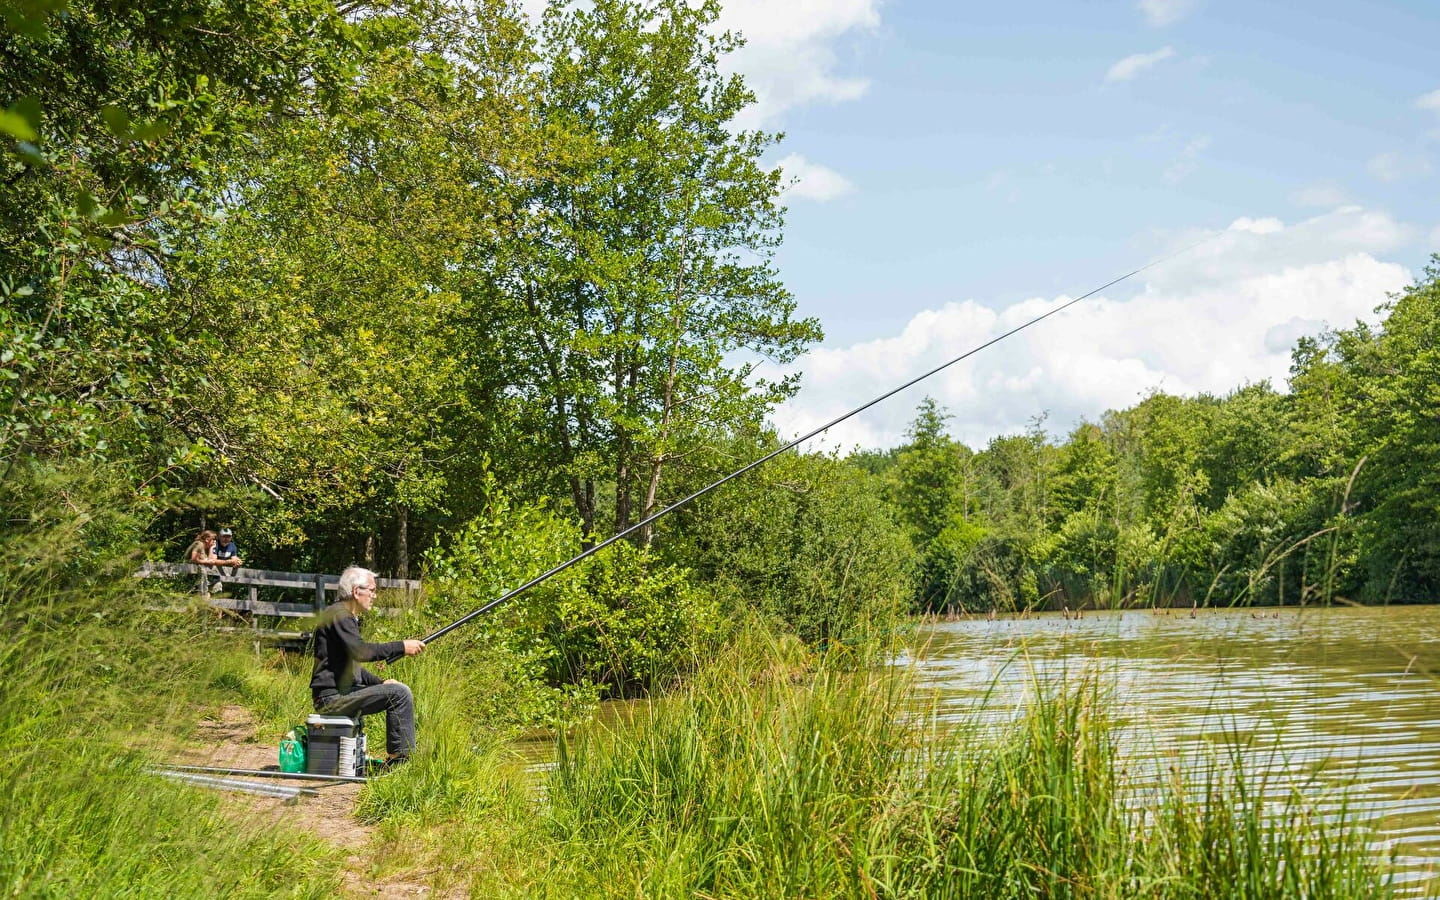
(340, 686)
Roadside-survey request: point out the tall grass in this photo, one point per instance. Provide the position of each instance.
(780, 772)
(89, 679)
(805, 781)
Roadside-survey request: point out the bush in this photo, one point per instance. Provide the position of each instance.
(620, 621)
(806, 540)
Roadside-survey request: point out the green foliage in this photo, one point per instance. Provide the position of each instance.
(634, 623)
(807, 541)
(129, 108)
(928, 482)
(643, 262)
(621, 620)
(338, 379)
(1397, 380)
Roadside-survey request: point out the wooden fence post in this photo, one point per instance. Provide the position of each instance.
(319, 592)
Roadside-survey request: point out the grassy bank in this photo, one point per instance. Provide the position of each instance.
(775, 771)
(94, 685)
(780, 774)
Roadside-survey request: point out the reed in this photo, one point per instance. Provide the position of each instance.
(807, 781)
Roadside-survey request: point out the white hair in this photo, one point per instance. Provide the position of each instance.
(352, 578)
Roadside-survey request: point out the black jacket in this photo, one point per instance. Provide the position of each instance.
(339, 650)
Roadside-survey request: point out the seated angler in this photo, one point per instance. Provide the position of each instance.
(340, 686)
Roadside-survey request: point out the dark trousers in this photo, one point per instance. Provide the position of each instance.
(396, 702)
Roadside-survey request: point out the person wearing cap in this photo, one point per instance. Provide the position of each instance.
(226, 552)
(340, 686)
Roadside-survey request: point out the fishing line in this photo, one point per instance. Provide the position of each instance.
(800, 440)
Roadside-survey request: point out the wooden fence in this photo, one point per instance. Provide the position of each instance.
(254, 579)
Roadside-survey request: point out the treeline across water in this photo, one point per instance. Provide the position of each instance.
(1322, 492)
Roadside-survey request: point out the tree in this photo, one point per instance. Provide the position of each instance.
(338, 270)
(116, 115)
(639, 263)
(1245, 442)
(1393, 391)
(1015, 473)
(929, 483)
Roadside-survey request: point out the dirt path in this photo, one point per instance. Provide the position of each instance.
(228, 739)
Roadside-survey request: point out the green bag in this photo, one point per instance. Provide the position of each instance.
(292, 751)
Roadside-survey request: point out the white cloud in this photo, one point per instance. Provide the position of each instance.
(1268, 225)
(1160, 13)
(812, 181)
(1131, 66)
(1225, 314)
(1434, 240)
(1398, 166)
(1321, 195)
(1429, 101)
(790, 56)
(1188, 161)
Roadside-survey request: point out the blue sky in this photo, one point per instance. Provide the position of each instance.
(959, 163)
(960, 167)
(991, 157)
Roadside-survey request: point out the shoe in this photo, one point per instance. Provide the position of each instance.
(381, 766)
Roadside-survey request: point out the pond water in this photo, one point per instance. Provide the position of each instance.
(1327, 700)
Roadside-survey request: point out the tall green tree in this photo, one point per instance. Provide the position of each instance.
(338, 270)
(930, 482)
(640, 261)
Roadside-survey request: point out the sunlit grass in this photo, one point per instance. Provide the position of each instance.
(96, 685)
(777, 773)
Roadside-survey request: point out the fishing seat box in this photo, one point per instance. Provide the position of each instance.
(322, 744)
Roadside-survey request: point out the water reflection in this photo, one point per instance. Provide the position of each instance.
(1320, 699)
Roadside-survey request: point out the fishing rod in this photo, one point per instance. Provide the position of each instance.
(545, 576)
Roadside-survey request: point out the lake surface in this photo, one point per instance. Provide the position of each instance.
(1321, 699)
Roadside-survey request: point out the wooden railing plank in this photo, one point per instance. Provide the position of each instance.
(266, 577)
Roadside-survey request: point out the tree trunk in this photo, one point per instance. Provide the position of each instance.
(657, 460)
(651, 490)
(622, 494)
(581, 494)
(624, 444)
(402, 542)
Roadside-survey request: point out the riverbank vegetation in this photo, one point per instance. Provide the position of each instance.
(780, 772)
(432, 288)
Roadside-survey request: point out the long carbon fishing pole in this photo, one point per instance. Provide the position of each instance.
(510, 595)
